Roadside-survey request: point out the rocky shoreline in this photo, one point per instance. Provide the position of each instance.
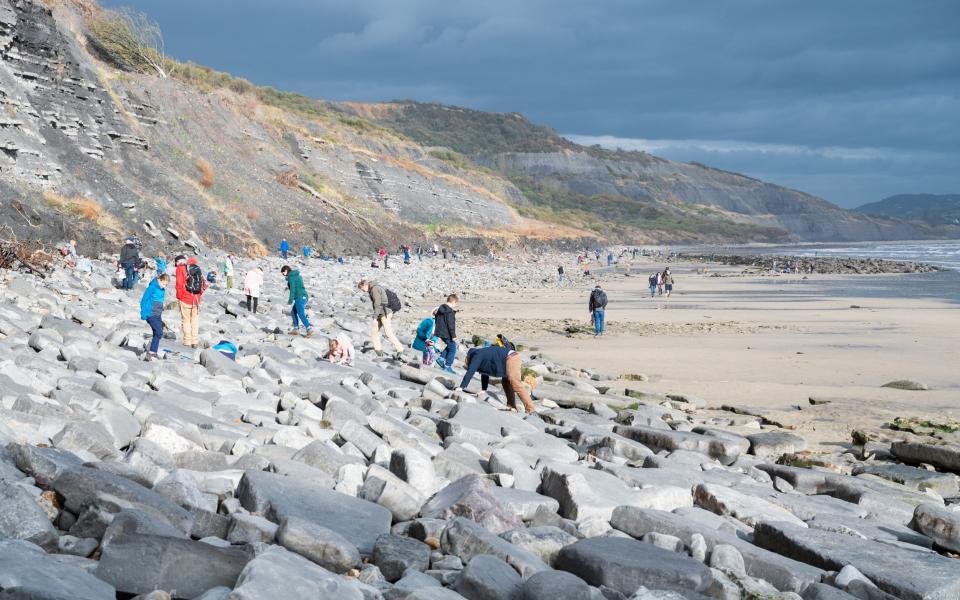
(806, 265)
(281, 475)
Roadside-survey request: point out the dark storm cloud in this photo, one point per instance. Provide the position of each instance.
(876, 81)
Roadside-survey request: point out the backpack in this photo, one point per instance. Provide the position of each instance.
(599, 298)
(393, 301)
(194, 283)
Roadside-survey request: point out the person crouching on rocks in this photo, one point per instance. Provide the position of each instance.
(503, 362)
(298, 299)
(341, 350)
(151, 310)
(190, 288)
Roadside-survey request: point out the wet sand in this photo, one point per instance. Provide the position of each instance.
(765, 342)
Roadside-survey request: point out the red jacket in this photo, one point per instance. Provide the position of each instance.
(182, 294)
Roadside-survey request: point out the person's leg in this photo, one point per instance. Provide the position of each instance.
(249, 302)
(129, 274)
(256, 303)
(375, 334)
(388, 331)
(195, 324)
(509, 393)
(601, 315)
(229, 282)
(156, 325)
(295, 317)
(184, 323)
(301, 308)
(450, 353)
(515, 382)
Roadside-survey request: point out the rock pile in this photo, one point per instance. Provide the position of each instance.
(280, 475)
(837, 265)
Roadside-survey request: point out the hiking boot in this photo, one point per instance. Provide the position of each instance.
(449, 370)
(441, 363)
(309, 333)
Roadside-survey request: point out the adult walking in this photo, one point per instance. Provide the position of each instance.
(151, 311)
(598, 308)
(129, 259)
(445, 318)
(228, 271)
(385, 303)
(503, 362)
(560, 273)
(190, 288)
(298, 299)
(252, 283)
(668, 281)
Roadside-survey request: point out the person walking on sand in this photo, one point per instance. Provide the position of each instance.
(560, 273)
(652, 281)
(190, 288)
(151, 311)
(129, 259)
(228, 271)
(502, 362)
(660, 283)
(385, 303)
(446, 329)
(284, 248)
(609, 259)
(252, 283)
(668, 281)
(406, 255)
(298, 299)
(341, 350)
(598, 308)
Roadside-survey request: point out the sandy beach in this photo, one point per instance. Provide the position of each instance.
(767, 342)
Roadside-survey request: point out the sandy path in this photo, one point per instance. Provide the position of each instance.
(767, 342)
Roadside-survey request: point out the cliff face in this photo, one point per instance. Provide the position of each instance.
(593, 176)
(938, 210)
(95, 153)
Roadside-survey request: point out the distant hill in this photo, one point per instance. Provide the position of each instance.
(932, 209)
(621, 194)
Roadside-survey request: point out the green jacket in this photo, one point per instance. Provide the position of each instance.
(295, 283)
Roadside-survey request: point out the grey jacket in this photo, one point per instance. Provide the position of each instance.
(378, 296)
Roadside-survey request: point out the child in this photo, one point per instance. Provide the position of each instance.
(431, 351)
(341, 350)
(424, 339)
(161, 262)
(151, 309)
(446, 329)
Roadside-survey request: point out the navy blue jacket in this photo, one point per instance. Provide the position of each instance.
(489, 362)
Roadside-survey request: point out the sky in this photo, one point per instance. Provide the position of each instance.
(850, 100)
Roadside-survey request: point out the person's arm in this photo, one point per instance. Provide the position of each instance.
(181, 282)
(471, 371)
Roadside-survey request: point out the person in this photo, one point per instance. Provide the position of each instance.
(306, 252)
(609, 259)
(298, 299)
(161, 261)
(444, 252)
(598, 307)
(502, 362)
(420, 253)
(284, 248)
(251, 287)
(129, 259)
(668, 281)
(436, 249)
(406, 255)
(341, 350)
(446, 329)
(660, 283)
(597, 253)
(652, 281)
(190, 288)
(211, 277)
(151, 310)
(382, 316)
(228, 271)
(502, 341)
(560, 272)
(425, 341)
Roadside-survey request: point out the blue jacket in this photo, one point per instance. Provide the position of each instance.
(161, 265)
(151, 303)
(489, 362)
(424, 332)
(284, 246)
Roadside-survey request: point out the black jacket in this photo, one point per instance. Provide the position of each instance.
(446, 323)
(129, 255)
(598, 300)
(489, 362)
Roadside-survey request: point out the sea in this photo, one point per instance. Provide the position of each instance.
(943, 284)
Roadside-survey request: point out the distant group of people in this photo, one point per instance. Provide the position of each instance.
(661, 283)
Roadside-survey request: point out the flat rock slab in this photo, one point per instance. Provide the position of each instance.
(486, 419)
(625, 565)
(464, 538)
(26, 571)
(22, 518)
(394, 554)
(278, 573)
(945, 484)
(748, 509)
(724, 449)
(939, 523)
(907, 574)
(83, 486)
(941, 455)
(488, 578)
(555, 585)
(472, 497)
(772, 444)
(280, 497)
(139, 564)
